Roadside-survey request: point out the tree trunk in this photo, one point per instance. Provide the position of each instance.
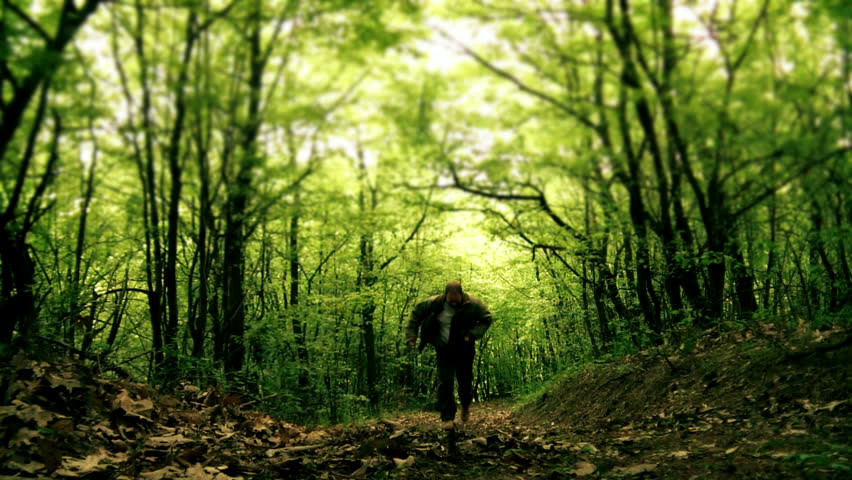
(198, 325)
(18, 280)
(17, 299)
(818, 246)
(770, 261)
(170, 284)
(299, 327)
(71, 18)
(76, 286)
(236, 209)
(366, 281)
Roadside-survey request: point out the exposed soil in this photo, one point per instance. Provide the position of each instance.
(758, 405)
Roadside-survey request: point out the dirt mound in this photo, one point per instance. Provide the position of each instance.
(748, 374)
(59, 420)
(764, 404)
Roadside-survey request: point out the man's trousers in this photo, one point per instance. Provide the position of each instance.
(455, 362)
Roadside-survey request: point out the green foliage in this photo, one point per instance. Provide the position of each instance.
(814, 455)
(346, 149)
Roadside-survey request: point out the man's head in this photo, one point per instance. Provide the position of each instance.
(454, 293)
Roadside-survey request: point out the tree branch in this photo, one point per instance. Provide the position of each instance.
(47, 177)
(793, 176)
(735, 65)
(324, 260)
(24, 167)
(122, 290)
(407, 240)
(520, 84)
(215, 16)
(28, 20)
(538, 198)
(8, 75)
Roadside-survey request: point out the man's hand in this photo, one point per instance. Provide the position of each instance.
(412, 343)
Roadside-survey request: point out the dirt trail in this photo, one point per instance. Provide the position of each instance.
(711, 444)
(757, 404)
(733, 408)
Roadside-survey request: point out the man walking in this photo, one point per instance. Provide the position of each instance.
(451, 322)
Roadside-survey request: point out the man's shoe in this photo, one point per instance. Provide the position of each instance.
(449, 425)
(465, 414)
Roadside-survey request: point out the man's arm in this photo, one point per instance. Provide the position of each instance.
(413, 326)
(483, 320)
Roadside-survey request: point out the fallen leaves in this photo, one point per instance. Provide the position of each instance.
(636, 469)
(99, 461)
(60, 425)
(57, 424)
(32, 413)
(131, 406)
(167, 441)
(315, 437)
(166, 472)
(403, 463)
(679, 454)
(581, 469)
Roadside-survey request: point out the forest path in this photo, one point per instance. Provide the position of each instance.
(757, 404)
(63, 420)
(712, 444)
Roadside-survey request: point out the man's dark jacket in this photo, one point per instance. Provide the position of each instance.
(472, 319)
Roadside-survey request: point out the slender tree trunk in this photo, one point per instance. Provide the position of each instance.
(686, 269)
(648, 301)
(145, 158)
(366, 281)
(118, 312)
(17, 299)
(299, 327)
(170, 283)
(201, 135)
(18, 271)
(18, 281)
(606, 337)
(771, 258)
(743, 282)
(600, 286)
(198, 326)
(236, 209)
(79, 248)
(845, 271)
(818, 246)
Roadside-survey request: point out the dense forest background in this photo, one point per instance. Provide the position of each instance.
(255, 193)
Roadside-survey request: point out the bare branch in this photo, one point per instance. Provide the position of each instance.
(760, 17)
(8, 75)
(411, 236)
(122, 290)
(260, 212)
(538, 198)
(793, 176)
(33, 213)
(519, 83)
(215, 16)
(24, 167)
(328, 256)
(278, 28)
(28, 20)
